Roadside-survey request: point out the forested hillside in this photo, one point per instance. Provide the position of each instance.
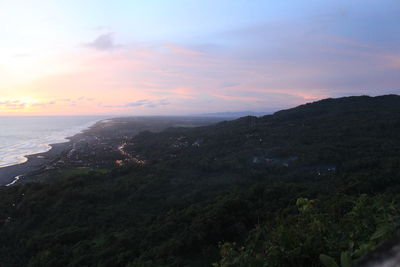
(302, 187)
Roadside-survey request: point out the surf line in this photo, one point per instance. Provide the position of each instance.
(15, 180)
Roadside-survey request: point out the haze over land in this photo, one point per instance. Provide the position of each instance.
(306, 186)
(192, 57)
(286, 150)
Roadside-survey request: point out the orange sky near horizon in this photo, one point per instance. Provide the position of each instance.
(134, 58)
(98, 82)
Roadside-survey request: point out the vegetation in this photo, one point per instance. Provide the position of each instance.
(316, 185)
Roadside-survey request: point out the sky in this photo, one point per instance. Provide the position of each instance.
(120, 57)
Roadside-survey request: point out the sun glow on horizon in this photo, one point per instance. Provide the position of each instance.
(120, 57)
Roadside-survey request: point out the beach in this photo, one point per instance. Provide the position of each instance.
(97, 147)
(34, 163)
(61, 155)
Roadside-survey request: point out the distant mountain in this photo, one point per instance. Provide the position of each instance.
(235, 114)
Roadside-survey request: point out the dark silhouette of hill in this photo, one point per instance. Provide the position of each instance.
(301, 187)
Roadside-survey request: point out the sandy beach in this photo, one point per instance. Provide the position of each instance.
(35, 162)
(39, 161)
(96, 147)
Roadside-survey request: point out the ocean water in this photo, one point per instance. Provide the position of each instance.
(21, 136)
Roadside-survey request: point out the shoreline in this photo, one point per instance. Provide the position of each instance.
(34, 162)
(39, 161)
(94, 146)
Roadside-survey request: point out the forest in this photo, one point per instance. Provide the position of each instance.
(315, 185)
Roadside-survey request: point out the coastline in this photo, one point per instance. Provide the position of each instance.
(39, 161)
(35, 162)
(96, 146)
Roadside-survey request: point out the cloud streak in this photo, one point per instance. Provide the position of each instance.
(141, 103)
(12, 105)
(21, 105)
(295, 54)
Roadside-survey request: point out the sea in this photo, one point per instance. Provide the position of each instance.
(21, 136)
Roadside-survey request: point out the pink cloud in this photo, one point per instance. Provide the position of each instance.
(203, 81)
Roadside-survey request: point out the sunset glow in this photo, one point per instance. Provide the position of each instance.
(190, 57)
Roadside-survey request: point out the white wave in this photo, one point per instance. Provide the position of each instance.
(12, 154)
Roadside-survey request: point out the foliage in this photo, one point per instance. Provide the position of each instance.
(316, 185)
